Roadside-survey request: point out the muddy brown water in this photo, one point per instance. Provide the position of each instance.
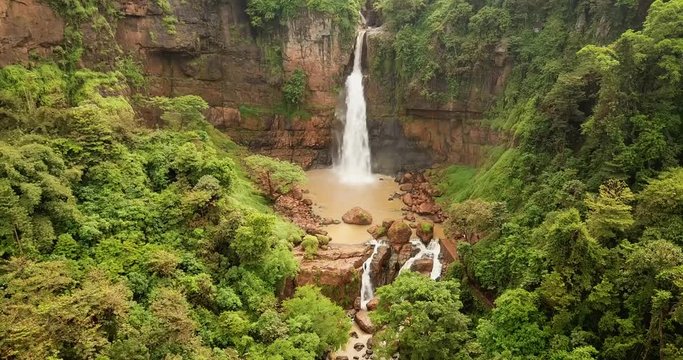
(332, 198)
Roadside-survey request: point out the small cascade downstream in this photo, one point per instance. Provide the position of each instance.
(432, 250)
(354, 162)
(367, 290)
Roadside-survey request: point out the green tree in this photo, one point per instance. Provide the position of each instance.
(182, 111)
(571, 249)
(610, 211)
(255, 238)
(473, 219)
(274, 176)
(515, 328)
(399, 13)
(420, 319)
(327, 320)
(660, 206)
(294, 88)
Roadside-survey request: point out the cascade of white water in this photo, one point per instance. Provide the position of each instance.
(354, 162)
(433, 249)
(367, 291)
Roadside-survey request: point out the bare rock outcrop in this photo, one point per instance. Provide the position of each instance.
(27, 28)
(335, 270)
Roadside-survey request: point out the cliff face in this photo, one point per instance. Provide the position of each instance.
(415, 131)
(211, 50)
(208, 48)
(27, 28)
(214, 54)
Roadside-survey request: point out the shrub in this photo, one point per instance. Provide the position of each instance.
(310, 246)
(294, 89)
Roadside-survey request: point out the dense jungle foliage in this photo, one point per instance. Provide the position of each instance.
(122, 242)
(572, 233)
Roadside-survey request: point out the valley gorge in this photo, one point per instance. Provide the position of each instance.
(341, 179)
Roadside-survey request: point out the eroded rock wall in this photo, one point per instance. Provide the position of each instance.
(28, 29)
(207, 48)
(215, 54)
(414, 131)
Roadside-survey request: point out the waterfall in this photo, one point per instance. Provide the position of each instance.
(354, 163)
(367, 291)
(433, 250)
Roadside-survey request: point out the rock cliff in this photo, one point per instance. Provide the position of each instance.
(209, 48)
(414, 131)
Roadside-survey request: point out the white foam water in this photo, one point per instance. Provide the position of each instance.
(367, 290)
(354, 162)
(433, 250)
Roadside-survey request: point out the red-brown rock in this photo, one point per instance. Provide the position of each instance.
(372, 304)
(386, 223)
(407, 199)
(406, 187)
(399, 233)
(423, 266)
(357, 216)
(425, 231)
(407, 251)
(377, 231)
(427, 208)
(335, 271)
(364, 322)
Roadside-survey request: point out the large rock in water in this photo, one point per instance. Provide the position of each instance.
(399, 233)
(364, 323)
(357, 216)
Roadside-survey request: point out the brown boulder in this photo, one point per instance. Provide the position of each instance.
(364, 322)
(357, 216)
(334, 270)
(379, 263)
(425, 231)
(399, 233)
(406, 187)
(423, 266)
(407, 177)
(377, 231)
(427, 208)
(407, 199)
(372, 304)
(386, 223)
